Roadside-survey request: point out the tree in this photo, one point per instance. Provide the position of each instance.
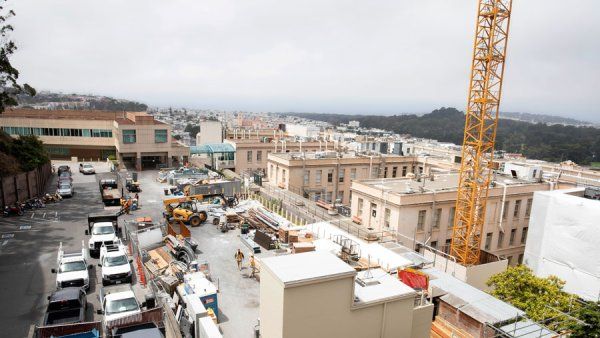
(192, 129)
(9, 87)
(540, 298)
(590, 314)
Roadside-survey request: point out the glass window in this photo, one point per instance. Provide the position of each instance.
(306, 177)
(160, 136)
(505, 211)
(403, 171)
(86, 133)
(524, 236)
(500, 239)
(259, 155)
(447, 246)
(528, 208)
(421, 220)
(386, 217)
(517, 208)
(394, 171)
(341, 174)
(249, 156)
(488, 240)
(128, 135)
(359, 209)
(451, 218)
(513, 233)
(318, 176)
(330, 176)
(353, 173)
(385, 172)
(436, 218)
(433, 244)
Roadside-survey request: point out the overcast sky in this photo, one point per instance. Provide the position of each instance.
(341, 56)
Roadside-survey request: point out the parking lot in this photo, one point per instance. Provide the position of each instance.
(29, 245)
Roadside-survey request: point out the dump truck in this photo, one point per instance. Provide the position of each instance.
(109, 189)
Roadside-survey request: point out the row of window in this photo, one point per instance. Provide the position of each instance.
(73, 132)
(511, 240)
(249, 157)
(160, 136)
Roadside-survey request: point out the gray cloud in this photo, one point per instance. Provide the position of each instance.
(306, 55)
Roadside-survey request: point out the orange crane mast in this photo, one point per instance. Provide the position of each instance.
(481, 122)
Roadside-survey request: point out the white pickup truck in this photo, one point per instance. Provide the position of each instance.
(102, 233)
(116, 266)
(72, 269)
(118, 301)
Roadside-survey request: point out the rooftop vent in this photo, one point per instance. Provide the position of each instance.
(367, 282)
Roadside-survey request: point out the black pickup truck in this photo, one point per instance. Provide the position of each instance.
(66, 306)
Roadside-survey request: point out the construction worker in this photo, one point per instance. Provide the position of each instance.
(239, 257)
(252, 265)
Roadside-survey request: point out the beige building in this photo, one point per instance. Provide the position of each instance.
(317, 295)
(134, 138)
(329, 175)
(251, 154)
(210, 132)
(252, 133)
(424, 211)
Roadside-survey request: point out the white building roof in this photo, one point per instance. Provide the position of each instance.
(298, 269)
(379, 286)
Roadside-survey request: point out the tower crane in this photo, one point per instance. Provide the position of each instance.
(481, 122)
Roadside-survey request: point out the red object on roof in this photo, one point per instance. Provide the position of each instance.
(414, 279)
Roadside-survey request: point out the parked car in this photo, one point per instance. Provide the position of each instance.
(72, 269)
(63, 168)
(86, 169)
(116, 266)
(65, 176)
(65, 189)
(66, 306)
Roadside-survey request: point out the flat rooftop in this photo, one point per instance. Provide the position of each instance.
(328, 155)
(126, 118)
(298, 269)
(441, 182)
(379, 286)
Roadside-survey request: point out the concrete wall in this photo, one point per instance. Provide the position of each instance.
(210, 132)
(24, 186)
(271, 305)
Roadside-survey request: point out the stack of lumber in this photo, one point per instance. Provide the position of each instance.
(441, 328)
(302, 247)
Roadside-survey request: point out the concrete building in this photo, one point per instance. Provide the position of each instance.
(423, 210)
(302, 130)
(563, 239)
(210, 132)
(251, 154)
(317, 295)
(256, 134)
(329, 175)
(135, 138)
(354, 124)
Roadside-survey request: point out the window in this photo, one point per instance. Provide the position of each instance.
(373, 210)
(160, 136)
(359, 209)
(386, 217)
(330, 176)
(505, 211)
(437, 215)
(128, 135)
(318, 176)
(448, 244)
(271, 167)
(353, 173)
(249, 156)
(403, 171)
(500, 239)
(513, 233)
(258, 155)
(451, 218)
(84, 132)
(306, 177)
(341, 174)
(421, 220)
(385, 171)
(433, 244)
(420, 170)
(524, 235)
(517, 208)
(528, 207)
(488, 240)
(521, 259)
(340, 195)
(394, 171)
(328, 196)
(283, 172)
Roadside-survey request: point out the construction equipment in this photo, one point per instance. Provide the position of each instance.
(189, 209)
(481, 121)
(132, 184)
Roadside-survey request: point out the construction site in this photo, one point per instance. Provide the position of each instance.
(330, 242)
